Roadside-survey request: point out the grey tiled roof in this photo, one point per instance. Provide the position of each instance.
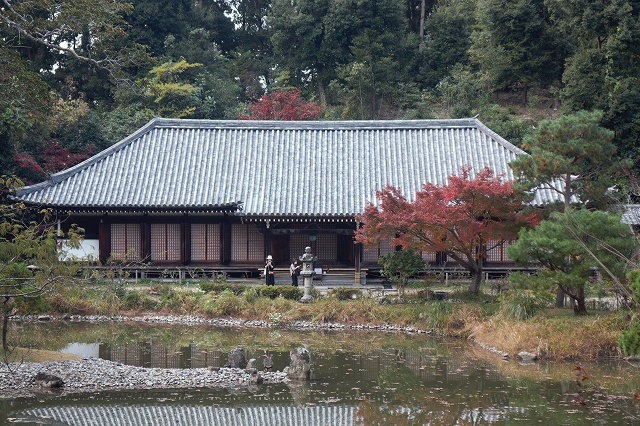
(631, 214)
(174, 414)
(321, 168)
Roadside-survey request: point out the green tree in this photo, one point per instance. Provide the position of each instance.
(57, 50)
(25, 103)
(253, 58)
(514, 45)
(602, 68)
(171, 95)
(604, 35)
(570, 246)
(460, 91)
(571, 155)
(356, 45)
(91, 31)
(399, 266)
(217, 91)
(447, 41)
(301, 46)
(30, 255)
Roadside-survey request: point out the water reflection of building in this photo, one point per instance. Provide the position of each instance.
(422, 362)
(155, 355)
(384, 385)
(193, 415)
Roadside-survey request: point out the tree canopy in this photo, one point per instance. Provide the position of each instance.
(283, 105)
(571, 246)
(465, 219)
(513, 63)
(571, 155)
(30, 254)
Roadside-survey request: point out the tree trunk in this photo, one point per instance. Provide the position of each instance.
(423, 6)
(577, 299)
(5, 324)
(476, 280)
(322, 94)
(580, 307)
(559, 298)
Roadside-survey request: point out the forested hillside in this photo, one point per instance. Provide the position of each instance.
(79, 75)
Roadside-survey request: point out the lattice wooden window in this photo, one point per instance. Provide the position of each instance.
(429, 256)
(297, 244)
(373, 252)
(326, 247)
(126, 242)
(165, 242)
(499, 253)
(205, 242)
(247, 244)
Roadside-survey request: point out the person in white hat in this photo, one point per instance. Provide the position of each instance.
(268, 271)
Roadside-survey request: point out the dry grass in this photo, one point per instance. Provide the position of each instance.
(36, 355)
(555, 337)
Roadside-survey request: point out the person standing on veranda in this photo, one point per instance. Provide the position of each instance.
(294, 270)
(269, 271)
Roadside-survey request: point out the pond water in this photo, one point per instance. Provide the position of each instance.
(358, 378)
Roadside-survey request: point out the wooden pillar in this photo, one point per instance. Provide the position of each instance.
(267, 245)
(145, 230)
(104, 238)
(225, 237)
(185, 240)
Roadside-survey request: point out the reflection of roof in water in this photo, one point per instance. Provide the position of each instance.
(193, 415)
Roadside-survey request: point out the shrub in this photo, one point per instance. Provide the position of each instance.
(131, 299)
(273, 292)
(346, 293)
(217, 287)
(291, 293)
(209, 286)
(137, 299)
(399, 266)
(251, 295)
(269, 291)
(629, 341)
(224, 304)
(180, 300)
(522, 305)
(40, 303)
(437, 317)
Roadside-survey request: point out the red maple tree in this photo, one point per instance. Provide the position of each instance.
(55, 157)
(463, 219)
(283, 105)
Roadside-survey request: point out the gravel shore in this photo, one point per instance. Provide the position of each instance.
(92, 374)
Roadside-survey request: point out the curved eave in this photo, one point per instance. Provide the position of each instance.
(225, 208)
(297, 218)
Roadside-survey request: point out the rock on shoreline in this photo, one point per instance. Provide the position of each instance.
(94, 374)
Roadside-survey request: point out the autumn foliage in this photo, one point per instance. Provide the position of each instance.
(463, 219)
(54, 158)
(283, 105)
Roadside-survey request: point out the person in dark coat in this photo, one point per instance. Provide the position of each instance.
(268, 271)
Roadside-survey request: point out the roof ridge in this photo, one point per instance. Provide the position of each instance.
(314, 124)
